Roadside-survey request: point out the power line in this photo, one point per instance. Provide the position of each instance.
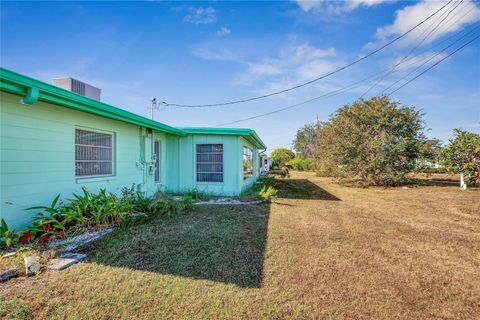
(313, 80)
(438, 43)
(433, 65)
(430, 59)
(326, 95)
(444, 40)
(413, 49)
(341, 90)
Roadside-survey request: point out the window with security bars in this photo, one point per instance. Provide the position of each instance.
(209, 162)
(93, 153)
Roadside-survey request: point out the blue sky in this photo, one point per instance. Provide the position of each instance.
(209, 52)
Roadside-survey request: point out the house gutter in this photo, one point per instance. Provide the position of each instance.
(248, 134)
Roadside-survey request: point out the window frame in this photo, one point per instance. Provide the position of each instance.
(113, 148)
(196, 163)
(245, 177)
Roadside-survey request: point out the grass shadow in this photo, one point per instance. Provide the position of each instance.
(223, 244)
(302, 189)
(219, 243)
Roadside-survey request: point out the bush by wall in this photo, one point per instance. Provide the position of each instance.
(88, 210)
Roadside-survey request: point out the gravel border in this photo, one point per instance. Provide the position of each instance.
(227, 201)
(76, 242)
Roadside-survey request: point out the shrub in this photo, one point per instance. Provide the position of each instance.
(283, 172)
(263, 189)
(132, 201)
(300, 164)
(50, 222)
(267, 192)
(280, 156)
(196, 194)
(7, 235)
(89, 210)
(165, 205)
(84, 211)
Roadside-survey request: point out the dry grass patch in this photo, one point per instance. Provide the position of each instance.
(320, 250)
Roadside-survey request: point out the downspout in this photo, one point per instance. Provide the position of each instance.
(32, 96)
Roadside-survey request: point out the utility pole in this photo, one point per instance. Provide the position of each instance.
(153, 106)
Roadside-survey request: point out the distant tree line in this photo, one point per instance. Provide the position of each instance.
(378, 142)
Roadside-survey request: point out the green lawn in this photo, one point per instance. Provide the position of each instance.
(319, 250)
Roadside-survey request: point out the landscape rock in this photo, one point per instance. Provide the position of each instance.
(7, 274)
(66, 261)
(10, 254)
(32, 265)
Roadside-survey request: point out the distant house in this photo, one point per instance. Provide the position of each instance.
(265, 164)
(56, 141)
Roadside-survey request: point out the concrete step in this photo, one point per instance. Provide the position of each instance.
(66, 261)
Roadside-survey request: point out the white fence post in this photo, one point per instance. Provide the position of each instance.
(463, 184)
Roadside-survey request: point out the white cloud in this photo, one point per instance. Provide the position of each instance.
(308, 5)
(201, 15)
(292, 65)
(336, 6)
(314, 68)
(206, 52)
(305, 52)
(223, 31)
(466, 13)
(264, 69)
(299, 60)
(239, 50)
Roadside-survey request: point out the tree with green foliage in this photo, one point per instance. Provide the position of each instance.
(306, 140)
(371, 142)
(430, 152)
(462, 155)
(281, 156)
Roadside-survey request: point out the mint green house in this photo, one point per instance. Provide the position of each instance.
(55, 141)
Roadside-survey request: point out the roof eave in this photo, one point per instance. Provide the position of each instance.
(249, 134)
(18, 84)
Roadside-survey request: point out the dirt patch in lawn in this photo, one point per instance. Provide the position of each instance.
(371, 253)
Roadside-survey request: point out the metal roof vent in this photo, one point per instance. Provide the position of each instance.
(78, 87)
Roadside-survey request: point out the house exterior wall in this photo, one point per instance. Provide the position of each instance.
(181, 153)
(247, 183)
(37, 156)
